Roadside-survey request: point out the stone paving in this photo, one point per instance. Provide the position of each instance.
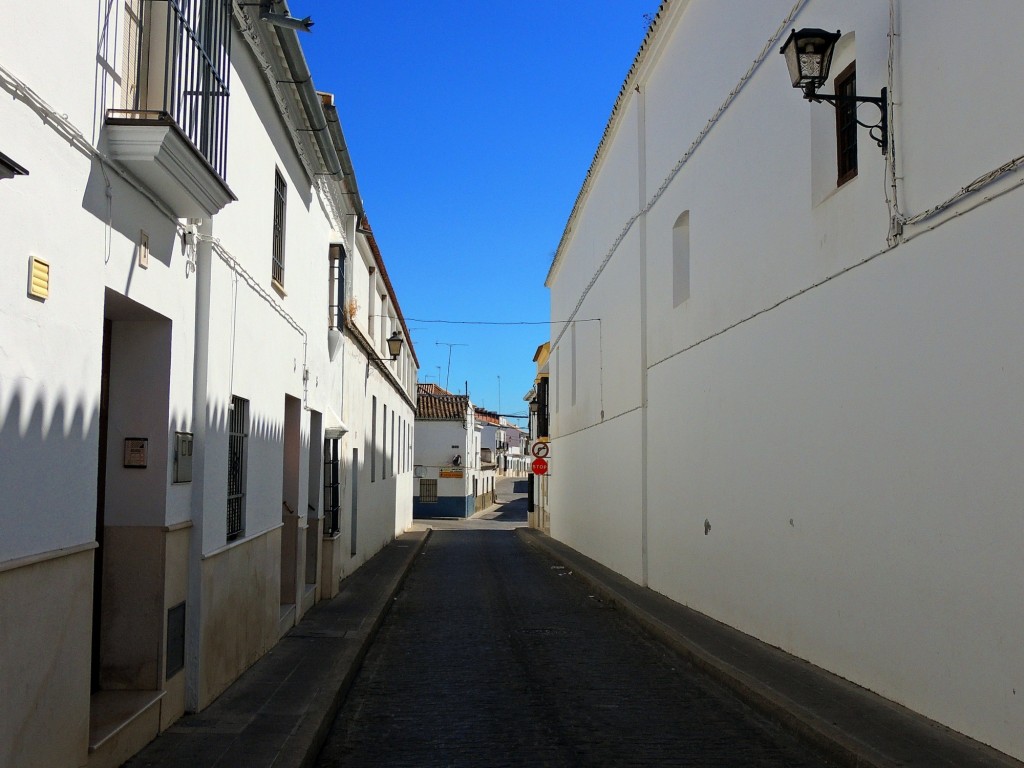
(492, 656)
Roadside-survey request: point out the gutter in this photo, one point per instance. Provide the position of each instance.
(303, 82)
(341, 148)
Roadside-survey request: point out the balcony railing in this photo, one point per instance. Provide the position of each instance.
(196, 74)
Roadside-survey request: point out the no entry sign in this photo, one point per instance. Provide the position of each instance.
(540, 466)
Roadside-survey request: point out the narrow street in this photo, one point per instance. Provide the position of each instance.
(492, 655)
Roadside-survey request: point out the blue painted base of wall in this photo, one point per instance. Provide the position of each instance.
(446, 506)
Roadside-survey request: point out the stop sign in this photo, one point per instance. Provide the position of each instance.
(540, 466)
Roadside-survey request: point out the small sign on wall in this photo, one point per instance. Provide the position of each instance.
(136, 452)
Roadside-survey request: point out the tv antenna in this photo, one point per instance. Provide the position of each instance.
(449, 345)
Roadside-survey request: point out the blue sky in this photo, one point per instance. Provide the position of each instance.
(471, 127)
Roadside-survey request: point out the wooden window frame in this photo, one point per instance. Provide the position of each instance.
(845, 84)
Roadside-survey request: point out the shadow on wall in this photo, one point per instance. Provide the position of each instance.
(49, 446)
(124, 209)
(48, 459)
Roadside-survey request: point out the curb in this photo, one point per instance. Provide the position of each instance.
(834, 744)
(304, 745)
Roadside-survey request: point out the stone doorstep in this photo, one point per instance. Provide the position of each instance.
(110, 712)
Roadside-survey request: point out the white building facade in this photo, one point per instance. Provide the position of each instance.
(451, 480)
(170, 379)
(801, 364)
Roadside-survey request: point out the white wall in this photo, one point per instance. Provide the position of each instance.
(845, 429)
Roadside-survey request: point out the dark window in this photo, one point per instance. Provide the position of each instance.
(332, 486)
(238, 438)
(175, 640)
(428, 491)
(373, 442)
(846, 125)
(384, 446)
(336, 285)
(542, 410)
(280, 198)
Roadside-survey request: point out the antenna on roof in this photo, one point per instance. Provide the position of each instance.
(449, 345)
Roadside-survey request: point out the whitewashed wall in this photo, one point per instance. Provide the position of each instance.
(828, 446)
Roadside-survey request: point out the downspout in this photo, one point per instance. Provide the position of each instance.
(202, 415)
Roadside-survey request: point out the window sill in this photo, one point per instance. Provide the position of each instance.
(278, 288)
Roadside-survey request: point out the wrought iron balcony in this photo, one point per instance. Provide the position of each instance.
(171, 131)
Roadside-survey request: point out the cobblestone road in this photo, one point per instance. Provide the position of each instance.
(491, 656)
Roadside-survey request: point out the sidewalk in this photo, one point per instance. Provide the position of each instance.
(279, 711)
(849, 724)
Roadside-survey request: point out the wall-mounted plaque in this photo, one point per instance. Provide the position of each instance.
(136, 452)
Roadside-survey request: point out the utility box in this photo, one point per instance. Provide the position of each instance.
(183, 457)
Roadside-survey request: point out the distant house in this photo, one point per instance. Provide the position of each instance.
(516, 462)
(450, 479)
(501, 443)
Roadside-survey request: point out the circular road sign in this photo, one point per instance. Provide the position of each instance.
(540, 466)
(540, 450)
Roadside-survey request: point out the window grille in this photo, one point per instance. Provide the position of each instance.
(238, 438)
(373, 442)
(846, 125)
(280, 199)
(428, 491)
(336, 283)
(332, 486)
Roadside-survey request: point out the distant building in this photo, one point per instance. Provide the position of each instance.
(451, 480)
(537, 403)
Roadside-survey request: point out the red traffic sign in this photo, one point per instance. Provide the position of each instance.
(541, 450)
(540, 466)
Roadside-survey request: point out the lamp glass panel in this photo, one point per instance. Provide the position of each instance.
(395, 345)
(809, 56)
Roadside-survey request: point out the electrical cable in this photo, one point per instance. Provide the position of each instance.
(769, 46)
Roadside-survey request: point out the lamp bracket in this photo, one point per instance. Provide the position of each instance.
(881, 138)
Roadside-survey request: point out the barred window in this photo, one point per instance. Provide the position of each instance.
(336, 286)
(428, 491)
(238, 439)
(280, 200)
(332, 486)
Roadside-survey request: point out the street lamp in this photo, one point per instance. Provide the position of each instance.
(534, 406)
(395, 344)
(808, 55)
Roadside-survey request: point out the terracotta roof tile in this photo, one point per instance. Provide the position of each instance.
(445, 406)
(432, 389)
(487, 417)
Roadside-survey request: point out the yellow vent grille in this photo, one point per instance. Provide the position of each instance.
(39, 278)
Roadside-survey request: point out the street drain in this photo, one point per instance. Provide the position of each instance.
(542, 631)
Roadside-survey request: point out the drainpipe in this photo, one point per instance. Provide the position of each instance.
(303, 81)
(201, 416)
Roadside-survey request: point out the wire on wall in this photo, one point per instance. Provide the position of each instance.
(768, 47)
(63, 127)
